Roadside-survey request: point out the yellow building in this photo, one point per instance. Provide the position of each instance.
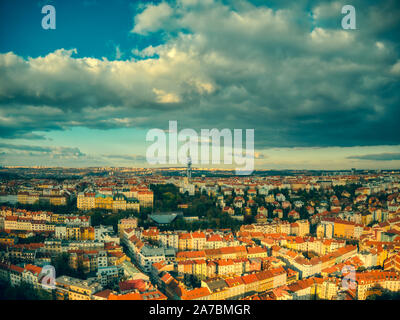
(87, 233)
(366, 218)
(320, 231)
(326, 289)
(58, 200)
(119, 202)
(146, 198)
(104, 201)
(27, 198)
(304, 227)
(23, 197)
(57, 218)
(86, 201)
(344, 229)
(200, 268)
(382, 255)
(124, 224)
(368, 280)
(185, 242)
(76, 289)
(73, 233)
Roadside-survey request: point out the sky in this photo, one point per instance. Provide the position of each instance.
(88, 92)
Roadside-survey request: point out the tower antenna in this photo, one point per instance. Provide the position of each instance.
(189, 168)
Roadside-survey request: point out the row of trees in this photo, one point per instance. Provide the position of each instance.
(383, 294)
(167, 198)
(218, 221)
(61, 265)
(107, 218)
(23, 292)
(70, 207)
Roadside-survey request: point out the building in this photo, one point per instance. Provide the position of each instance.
(69, 288)
(129, 223)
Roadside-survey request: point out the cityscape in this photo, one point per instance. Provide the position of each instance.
(199, 150)
(179, 234)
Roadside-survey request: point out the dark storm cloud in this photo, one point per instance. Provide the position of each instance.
(378, 157)
(289, 72)
(55, 152)
(24, 147)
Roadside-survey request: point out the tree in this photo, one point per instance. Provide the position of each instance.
(23, 292)
(61, 264)
(383, 294)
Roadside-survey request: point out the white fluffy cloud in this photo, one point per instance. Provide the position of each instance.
(297, 81)
(152, 18)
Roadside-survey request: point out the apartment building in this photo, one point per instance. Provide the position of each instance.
(69, 288)
(367, 280)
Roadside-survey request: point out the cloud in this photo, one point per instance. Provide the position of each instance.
(395, 69)
(327, 10)
(138, 158)
(151, 18)
(258, 155)
(164, 97)
(298, 81)
(53, 152)
(377, 157)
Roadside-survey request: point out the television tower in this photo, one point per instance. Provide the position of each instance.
(189, 168)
